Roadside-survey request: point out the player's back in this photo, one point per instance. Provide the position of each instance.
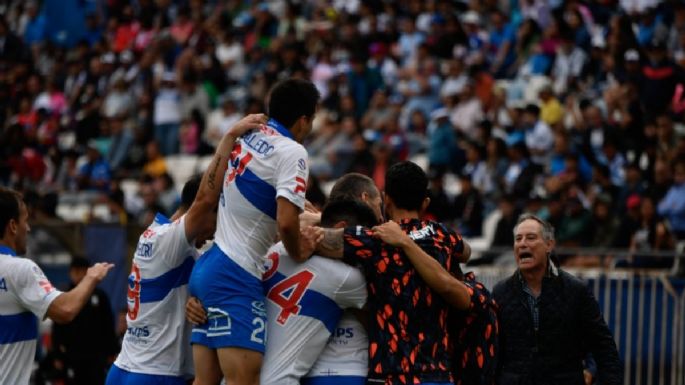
(264, 165)
(156, 340)
(345, 354)
(305, 303)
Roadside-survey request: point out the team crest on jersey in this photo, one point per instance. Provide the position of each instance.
(259, 308)
(302, 164)
(270, 266)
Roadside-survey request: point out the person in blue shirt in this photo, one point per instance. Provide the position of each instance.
(35, 27)
(95, 174)
(672, 207)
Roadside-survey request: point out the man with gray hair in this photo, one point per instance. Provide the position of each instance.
(549, 320)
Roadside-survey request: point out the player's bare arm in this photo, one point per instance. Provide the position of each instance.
(67, 305)
(439, 279)
(210, 187)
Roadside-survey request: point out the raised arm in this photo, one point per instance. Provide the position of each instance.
(440, 280)
(211, 185)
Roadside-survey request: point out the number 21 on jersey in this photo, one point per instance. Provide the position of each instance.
(288, 293)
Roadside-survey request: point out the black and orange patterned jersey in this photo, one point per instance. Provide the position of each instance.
(474, 334)
(408, 339)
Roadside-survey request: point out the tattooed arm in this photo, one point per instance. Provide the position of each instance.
(327, 242)
(211, 185)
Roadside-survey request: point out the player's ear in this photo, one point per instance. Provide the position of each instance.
(424, 204)
(340, 225)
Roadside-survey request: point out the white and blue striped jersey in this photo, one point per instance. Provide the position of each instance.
(305, 302)
(157, 336)
(25, 295)
(347, 351)
(264, 165)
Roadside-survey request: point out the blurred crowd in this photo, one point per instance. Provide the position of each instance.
(573, 109)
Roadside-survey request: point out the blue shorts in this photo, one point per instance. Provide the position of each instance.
(233, 300)
(118, 376)
(333, 380)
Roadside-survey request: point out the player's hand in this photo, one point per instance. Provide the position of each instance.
(587, 376)
(195, 313)
(310, 237)
(391, 233)
(312, 234)
(99, 270)
(308, 219)
(250, 122)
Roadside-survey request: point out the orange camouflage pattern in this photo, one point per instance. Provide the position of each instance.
(409, 342)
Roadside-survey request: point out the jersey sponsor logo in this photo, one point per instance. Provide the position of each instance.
(138, 332)
(144, 249)
(149, 233)
(344, 333)
(3, 284)
(301, 185)
(258, 145)
(46, 285)
(259, 308)
(133, 294)
(425, 232)
(288, 293)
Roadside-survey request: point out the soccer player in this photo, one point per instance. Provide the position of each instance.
(263, 193)
(408, 336)
(26, 295)
(156, 346)
(473, 322)
(305, 301)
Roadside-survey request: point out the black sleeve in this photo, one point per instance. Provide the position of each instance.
(599, 340)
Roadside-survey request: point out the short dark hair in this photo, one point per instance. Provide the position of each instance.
(190, 191)
(354, 212)
(291, 99)
(351, 186)
(9, 207)
(407, 185)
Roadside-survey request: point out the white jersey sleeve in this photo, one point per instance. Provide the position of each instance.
(34, 289)
(292, 177)
(352, 293)
(169, 242)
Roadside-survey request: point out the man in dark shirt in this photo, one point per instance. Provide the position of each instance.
(88, 344)
(549, 320)
(409, 342)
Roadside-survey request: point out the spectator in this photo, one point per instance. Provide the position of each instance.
(154, 163)
(651, 235)
(672, 207)
(539, 137)
(167, 115)
(121, 141)
(442, 148)
(468, 208)
(95, 174)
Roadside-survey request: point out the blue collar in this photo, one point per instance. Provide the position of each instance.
(161, 219)
(7, 250)
(272, 123)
